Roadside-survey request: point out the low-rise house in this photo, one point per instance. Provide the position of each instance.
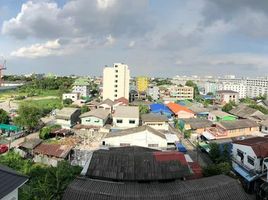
(97, 117)
(72, 96)
(218, 115)
(200, 111)
(10, 183)
(245, 112)
(28, 146)
(161, 109)
(143, 136)
(107, 104)
(250, 160)
(197, 125)
(226, 96)
(156, 121)
(67, 117)
(264, 126)
(126, 117)
(82, 87)
(229, 129)
(51, 154)
(180, 111)
(263, 103)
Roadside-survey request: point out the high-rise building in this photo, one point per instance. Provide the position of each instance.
(116, 81)
(142, 83)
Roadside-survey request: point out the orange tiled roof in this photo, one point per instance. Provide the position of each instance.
(175, 108)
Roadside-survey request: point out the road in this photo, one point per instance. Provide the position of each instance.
(197, 155)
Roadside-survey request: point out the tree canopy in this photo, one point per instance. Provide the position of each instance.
(4, 118)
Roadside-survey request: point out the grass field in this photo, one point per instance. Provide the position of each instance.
(44, 103)
(42, 93)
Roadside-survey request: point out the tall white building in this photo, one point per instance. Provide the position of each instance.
(116, 81)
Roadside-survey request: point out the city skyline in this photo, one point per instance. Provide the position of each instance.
(153, 38)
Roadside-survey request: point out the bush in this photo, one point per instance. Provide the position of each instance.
(67, 101)
(20, 97)
(217, 169)
(45, 131)
(187, 134)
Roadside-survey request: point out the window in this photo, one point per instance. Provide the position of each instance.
(124, 144)
(115, 86)
(240, 154)
(116, 76)
(119, 121)
(116, 66)
(132, 121)
(116, 81)
(251, 160)
(115, 90)
(116, 71)
(152, 145)
(115, 95)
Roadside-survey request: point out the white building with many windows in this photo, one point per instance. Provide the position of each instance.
(116, 82)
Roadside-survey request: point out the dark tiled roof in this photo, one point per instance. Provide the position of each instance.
(238, 124)
(244, 111)
(258, 144)
(108, 102)
(135, 130)
(99, 113)
(153, 117)
(213, 188)
(10, 180)
(137, 164)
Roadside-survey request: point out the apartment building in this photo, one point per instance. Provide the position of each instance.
(225, 96)
(153, 91)
(116, 81)
(142, 83)
(182, 92)
(237, 87)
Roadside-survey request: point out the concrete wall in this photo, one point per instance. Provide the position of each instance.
(125, 122)
(12, 195)
(184, 114)
(157, 125)
(93, 121)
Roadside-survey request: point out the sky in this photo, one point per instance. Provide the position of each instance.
(153, 37)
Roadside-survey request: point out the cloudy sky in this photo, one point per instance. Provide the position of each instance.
(154, 37)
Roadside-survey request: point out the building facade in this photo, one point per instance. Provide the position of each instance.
(116, 81)
(142, 83)
(182, 92)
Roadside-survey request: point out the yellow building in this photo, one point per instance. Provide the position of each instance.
(142, 83)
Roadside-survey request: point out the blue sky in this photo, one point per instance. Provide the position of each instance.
(154, 37)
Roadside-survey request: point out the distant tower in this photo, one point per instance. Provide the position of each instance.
(116, 82)
(2, 68)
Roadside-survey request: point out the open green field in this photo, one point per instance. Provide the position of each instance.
(41, 93)
(44, 103)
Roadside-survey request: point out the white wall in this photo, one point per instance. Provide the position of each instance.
(142, 139)
(157, 125)
(125, 123)
(64, 123)
(73, 96)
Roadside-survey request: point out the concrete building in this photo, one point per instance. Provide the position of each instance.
(237, 87)
(126, 117)
(116, 81)
(81, 86)
(153, 91)
(142, 83)
(96, 118)
(67, 117)
(225, 96)
(72, 96)
(182, 92)
(218, 115)
(156, 121)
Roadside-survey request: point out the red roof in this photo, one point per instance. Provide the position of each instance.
(175, 108)
(197, 170)
(122, 100)
(55, 150)
(168, 156)
(258, 144)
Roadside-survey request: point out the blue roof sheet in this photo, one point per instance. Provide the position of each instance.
(245, 174)
(155, 108)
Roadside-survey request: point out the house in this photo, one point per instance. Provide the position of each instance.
(264, 126)
(82, 87)
(28, 146)
(93, 104)
(140, 174)
(143, 136)
(10, 182)
(180, 111)
(51, 154)
(197, 125)
(199, 111)
(97, 117)
(226, 96)
(67, 117)
(263, 103)
(156, 121)
(250, 160)
(120, 102)
(107, 104)
(218, 115)
(229, 129)
(245, 112)
(72, 96)
(126, 117)
(160, 109)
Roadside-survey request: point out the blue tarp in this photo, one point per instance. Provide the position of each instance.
(245, 174)
(160, 108)
(181, 148)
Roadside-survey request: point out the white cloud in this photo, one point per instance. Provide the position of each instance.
(105, 4)
(39, 50)
(131, 44)
(110, 40)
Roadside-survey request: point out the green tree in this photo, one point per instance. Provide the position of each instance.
(187, 133)
(28, 116)
(144, 109)
(84, 109)
(4, 118)
(67, 102)
(190, 83)
(214, 152)
(229, 106)
(217, 169)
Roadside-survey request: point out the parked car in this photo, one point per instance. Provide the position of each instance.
(3, 148)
